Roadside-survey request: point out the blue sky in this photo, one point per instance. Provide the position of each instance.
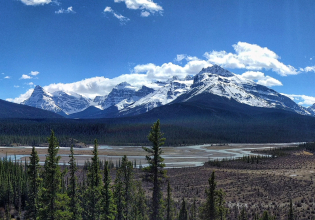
(90, 46)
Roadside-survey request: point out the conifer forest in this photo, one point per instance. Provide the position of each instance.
(236, 189)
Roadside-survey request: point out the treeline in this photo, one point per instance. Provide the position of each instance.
(183, 129)
(31, 191)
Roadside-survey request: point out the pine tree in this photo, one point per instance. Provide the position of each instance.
(169, 203)
(126, 170)
(221, 210)
(54, 204)
(109, 207)
(140, 208)
(154, 171)
(75, 208)
(291, 215)
(193, 211)
(207, 210)
(119, 195)
(214, 207)
(183, 211)
(243, 215)
(93, 193)
(34, 186)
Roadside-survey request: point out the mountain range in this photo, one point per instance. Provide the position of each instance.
(127, 100)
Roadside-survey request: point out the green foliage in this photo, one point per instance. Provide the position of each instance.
(54, 203)
(109, 207)
(34, 183)
(154, 171)
(93, 195)
(183, 215)
(214, 207)
(75, 207)
(169, 203)
(291, 214)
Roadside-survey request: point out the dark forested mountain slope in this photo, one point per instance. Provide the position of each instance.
(12, 110)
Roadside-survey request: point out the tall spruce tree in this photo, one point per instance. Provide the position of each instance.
(94, 187)
(75, 208)
(183, 211)
(154, 171)
(54, 204)
(214, 207)
(34, 182)
(119, 195)
(140, 208)
(169, 203)
(109, 207)
(291, 215)
(193, 211)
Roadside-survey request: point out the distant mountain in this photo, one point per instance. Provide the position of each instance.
(59, 102)
(127, 100)
(311, 109)
(13, 110)
(220, 82)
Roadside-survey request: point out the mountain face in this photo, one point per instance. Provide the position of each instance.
(311, 109)
(218, 81)
(13, 110)
(59, 102)
(211, 86)
(43, 100)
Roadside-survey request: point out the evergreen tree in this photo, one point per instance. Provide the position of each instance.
(291, 215)
(119, 195)
(34, 181)
(154, 171)
(109, 207)
(243, 215)
(193, 211)
(54, 204)
(75, 208)
(94, 186)
(126, 170)
(208, 210)
(183, 211)
(140, 208)
(169, 203)
(221, 210)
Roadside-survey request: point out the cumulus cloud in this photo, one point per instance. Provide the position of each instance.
(147, 6)
(121, 18)
(15, 86)
(22, 97)
(309, 69)
(36, 2)
(34, 73)
(65, 11)
(24, 76)
(180, 57)
(251, 57)
(7, 77)
(301, 99)
(145, 14)
(261, 79)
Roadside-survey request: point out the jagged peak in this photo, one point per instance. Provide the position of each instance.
(123, 85)
(216, 69)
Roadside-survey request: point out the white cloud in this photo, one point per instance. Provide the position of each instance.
(25, 77)
(301, 99)
(30, 83)
(121, 18)
(15, 86)
(34, 73)
(261, 79)
(309, 69)
(2, 73)
(36, 2)
(65, 11)
(145, 5)
(7, 77)
(22, 97)
(251, 57)
(180, 57)
(145, 14)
